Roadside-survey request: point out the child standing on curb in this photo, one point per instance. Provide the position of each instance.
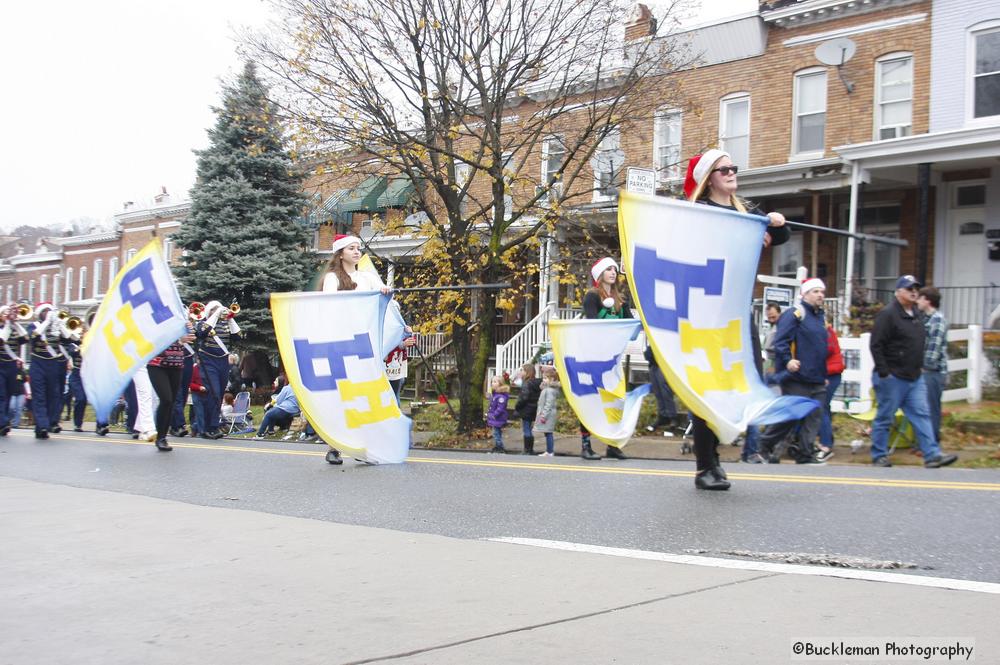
(496, 417)
(527, 405)
(548, 412)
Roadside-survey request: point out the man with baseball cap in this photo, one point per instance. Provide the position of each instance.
(897, 346)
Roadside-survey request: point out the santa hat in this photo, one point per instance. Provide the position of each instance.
(340, 241)
(43, 307)
(699, 167)
(601, 266)
(810, 284)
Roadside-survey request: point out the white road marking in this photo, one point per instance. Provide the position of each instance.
(783, 568)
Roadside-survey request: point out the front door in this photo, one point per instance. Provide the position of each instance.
(968, 247)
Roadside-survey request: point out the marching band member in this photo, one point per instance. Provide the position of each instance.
(178, 425)
(13, 335)
(48, 370)
(72, 347)
(711, 180)
(213, 351)
(342, 274)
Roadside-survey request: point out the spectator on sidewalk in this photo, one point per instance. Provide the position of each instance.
(19, 394)
(666, 408)
(897, 346)
(527, 405)
(285, 408)
(548, 409)
(772, 313)
(834, 370)
(800, 350)
(496, 417)
(199, 395)
(935, 368)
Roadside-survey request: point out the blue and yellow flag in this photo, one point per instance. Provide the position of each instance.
(588, 357)
(333, 347)
(691, 272)
(140, 316)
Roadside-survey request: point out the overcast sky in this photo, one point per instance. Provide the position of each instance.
(105, 100)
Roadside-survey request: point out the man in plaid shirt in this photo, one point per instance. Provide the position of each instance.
(935, 353)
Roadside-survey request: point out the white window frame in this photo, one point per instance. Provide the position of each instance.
(10, 293)
(130, 254)
(82, 286)
(31, 291)
(877, 115)
(20, 291)
(611, 142)
(463, 172)
(743, 161)
(544, 170)
(112, 271)
(970, 73)
(797, 152)
(168, 247)
(98, 273)
(674, 170)
(68, 295)
(57, 282)
(43, 288)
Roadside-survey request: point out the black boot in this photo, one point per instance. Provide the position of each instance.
(529, 445)
(614, 453)
(103, 430)
(333, 456)
(586, 452)
(56, 429)
(161, 444)
(41, 433)
(706, 480)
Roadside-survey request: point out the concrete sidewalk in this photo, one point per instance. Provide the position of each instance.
(101, 577)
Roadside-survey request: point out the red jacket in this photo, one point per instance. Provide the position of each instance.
(195, 384)
(834, 359)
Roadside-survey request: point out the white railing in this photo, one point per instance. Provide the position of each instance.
(429, 344)
(857, 378)
(523, 346)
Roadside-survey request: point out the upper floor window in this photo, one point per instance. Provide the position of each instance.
(83, 283)
(607, 163)
(69, 285)
(985, 51)
(112, 271)
(553, 156)
(31, 291)
(667, 144)
(10, 293)
(20, 292)
(893, 96)
(168, 248)
(130, 254)
(734, 127)
(98, 267)
(57, 289)
(43, 288)
(809, 127)
(463, 172)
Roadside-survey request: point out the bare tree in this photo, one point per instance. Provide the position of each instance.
(463, 98)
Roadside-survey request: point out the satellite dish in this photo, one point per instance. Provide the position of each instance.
(836, 51)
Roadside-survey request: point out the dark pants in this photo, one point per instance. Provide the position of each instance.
(215, 374)
(275, 417)
(48, 377)
(935, 382)
(131, 407)
(79, 397)
(705, 444)
(665, 406)
(774, 434)
(177, 421)
(826, 426)
(166, 381)
(8, 387)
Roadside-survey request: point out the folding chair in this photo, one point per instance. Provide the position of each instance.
(241, 414)
(901, 434)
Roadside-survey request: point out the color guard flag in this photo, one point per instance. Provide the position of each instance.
(332, 346)
(140, 316)
(692, 269)
(588, 357)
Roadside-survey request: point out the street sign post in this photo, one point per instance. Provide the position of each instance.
(640, 181)
(778, 294)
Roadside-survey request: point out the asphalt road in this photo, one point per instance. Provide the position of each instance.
(943, 521)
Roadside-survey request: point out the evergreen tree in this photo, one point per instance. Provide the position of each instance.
(245, 236)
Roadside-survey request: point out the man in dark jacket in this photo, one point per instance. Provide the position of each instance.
(800, 350)
(897, 346)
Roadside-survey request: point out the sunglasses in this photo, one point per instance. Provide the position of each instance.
(726, 170)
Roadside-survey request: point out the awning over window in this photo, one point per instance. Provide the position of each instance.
(363, 197)
(397, 194)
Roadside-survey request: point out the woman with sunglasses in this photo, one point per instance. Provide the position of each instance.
(711, 180)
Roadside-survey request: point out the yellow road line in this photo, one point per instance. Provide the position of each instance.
(614, 470)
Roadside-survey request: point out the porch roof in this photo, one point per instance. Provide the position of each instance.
(959, 145)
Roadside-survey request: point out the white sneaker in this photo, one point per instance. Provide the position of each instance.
(148, 436)
(546, 455)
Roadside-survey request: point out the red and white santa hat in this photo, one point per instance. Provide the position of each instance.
(42, 307)
(601, 266)
(340, 241)
(699, 167)
(810, 284)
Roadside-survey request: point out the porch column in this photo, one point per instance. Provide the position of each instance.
(390, 276)
(852, 226)
(923, 223)
(544, 271)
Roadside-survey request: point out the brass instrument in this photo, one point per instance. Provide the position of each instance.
(25, 312)
(63, 315)
(74, 323)
(195, 310)
(234, 308)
